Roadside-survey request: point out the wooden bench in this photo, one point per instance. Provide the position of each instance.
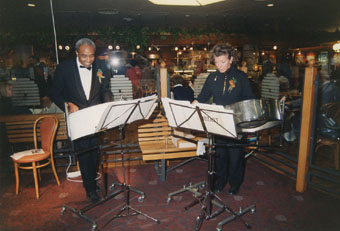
(19, 130)
(156, 143)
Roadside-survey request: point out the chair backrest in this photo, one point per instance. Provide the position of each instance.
(45, 127)
(157, 129)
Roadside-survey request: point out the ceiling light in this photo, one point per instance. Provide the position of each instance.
(184, 2)
(336, 47)
(31, 4)
(110, 47)
(270, 4)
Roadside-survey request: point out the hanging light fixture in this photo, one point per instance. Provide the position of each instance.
(336, 47)
(184, 2)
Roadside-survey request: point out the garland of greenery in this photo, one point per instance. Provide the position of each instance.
(129, 37)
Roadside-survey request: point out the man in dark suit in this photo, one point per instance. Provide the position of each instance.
(80, 84)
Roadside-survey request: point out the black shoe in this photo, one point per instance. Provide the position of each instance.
(218, 187)
(233, 190)
(93, 197)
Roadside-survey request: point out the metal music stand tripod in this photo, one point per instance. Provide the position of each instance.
(209, 198)
(124, 187)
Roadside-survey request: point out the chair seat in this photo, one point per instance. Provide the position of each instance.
(325, 141)
(33, 158)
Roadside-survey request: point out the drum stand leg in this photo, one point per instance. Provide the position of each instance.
(193, 188)
(209, 199)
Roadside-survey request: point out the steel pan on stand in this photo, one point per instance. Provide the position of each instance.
(257, 114)
(274, 109)
(248, 113)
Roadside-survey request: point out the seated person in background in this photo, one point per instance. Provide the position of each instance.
(6, 105)
(328, 93)
(179, 91)
(48, 106)
(6, 93)
(7, 108)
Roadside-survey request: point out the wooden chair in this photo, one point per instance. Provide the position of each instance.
(332, 109)
(44, 130)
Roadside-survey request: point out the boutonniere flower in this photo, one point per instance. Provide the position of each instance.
(100, 75)
(232, 84)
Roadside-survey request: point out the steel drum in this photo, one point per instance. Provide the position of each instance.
(249, 113)
(273, 109)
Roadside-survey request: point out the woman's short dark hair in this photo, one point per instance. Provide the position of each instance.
(223, 49)
(177, 79)
(84, 41)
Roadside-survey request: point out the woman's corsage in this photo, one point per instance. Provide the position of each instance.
(100, 75)
(232, 84)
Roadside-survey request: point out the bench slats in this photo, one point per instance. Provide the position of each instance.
(155, 141)
(19, 128)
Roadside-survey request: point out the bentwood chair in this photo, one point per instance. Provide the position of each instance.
(332, 109)
(44, 130)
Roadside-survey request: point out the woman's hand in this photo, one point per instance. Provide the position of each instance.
(72, 107)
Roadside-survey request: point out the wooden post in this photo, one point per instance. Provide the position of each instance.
(306, 128)
(164, 82)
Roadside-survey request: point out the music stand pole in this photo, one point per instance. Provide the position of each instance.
(126, 188)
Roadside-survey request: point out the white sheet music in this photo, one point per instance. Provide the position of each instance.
(104, 116)
(217, 119)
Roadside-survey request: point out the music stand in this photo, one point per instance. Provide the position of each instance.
(211, 119)
(128, 113)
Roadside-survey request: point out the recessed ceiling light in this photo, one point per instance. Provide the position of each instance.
(270, 4)
(184, 2)
(31, 4)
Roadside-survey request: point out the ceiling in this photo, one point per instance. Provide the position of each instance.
(244, 16)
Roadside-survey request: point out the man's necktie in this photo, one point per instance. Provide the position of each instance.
(88, 68)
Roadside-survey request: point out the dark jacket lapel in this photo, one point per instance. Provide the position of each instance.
(78, 84)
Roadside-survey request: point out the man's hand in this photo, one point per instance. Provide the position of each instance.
(72, 107)
(194, 102)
